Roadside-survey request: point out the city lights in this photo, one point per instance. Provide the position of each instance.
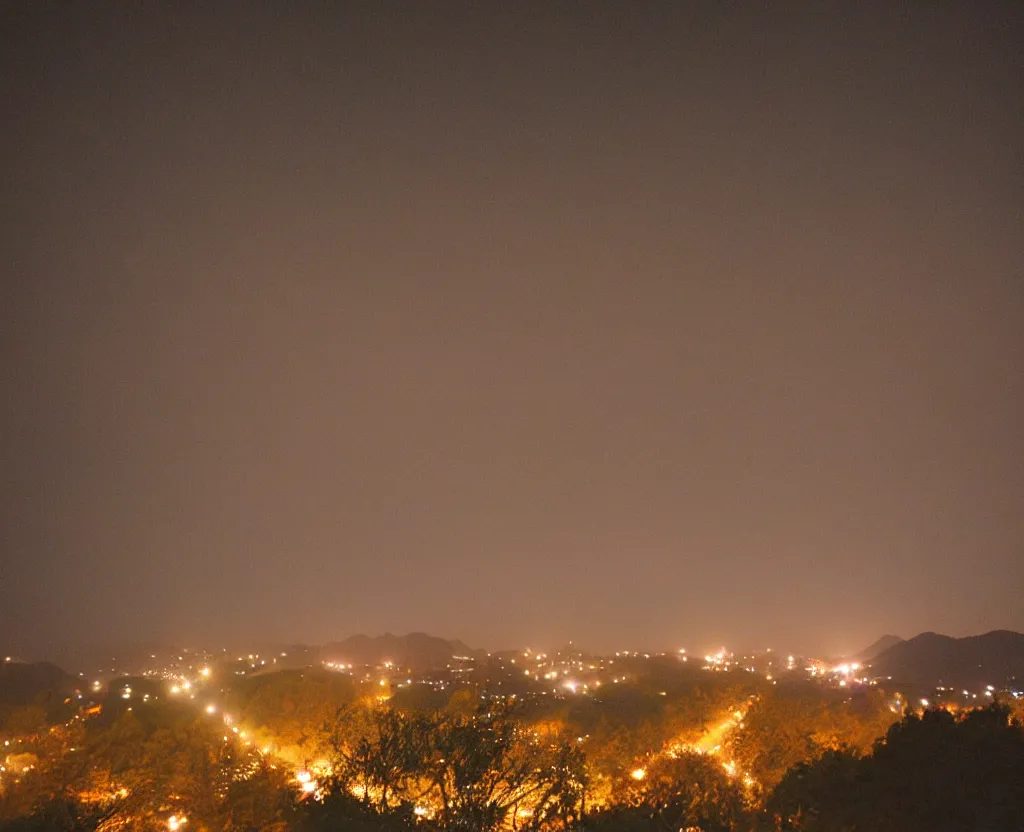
(547, 679)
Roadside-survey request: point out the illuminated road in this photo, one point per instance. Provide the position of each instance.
(713, 739)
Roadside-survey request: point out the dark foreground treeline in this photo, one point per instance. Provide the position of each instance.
(308, 750)
(483, 771)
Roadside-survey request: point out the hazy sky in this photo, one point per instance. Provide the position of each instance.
(641, 324)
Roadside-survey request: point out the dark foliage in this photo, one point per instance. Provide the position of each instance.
(935, 771)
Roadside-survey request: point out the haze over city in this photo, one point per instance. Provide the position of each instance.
(688, 326)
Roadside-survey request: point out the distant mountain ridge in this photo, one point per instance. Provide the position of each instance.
(417, 651)
(21, 683)
(878, 647)
(971, 663)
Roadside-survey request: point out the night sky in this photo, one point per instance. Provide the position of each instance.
(639, 325)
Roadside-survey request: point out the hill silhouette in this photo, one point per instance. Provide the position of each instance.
(22, 683)
(877, 647)
(417, 651)
(971, 663)
(41, 688)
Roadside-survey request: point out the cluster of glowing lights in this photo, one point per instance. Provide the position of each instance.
(842, 675)
(705, 747)
(722, 660)
(306, 781)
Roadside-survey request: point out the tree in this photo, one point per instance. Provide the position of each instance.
(341, 811)
(480, 769)
(476, 772)
(384, 766)
(28, 720)
(261, 799)
(782, 730)
(931, 771)
(679, 791)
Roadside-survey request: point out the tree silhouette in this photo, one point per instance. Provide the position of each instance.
(934, 771)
